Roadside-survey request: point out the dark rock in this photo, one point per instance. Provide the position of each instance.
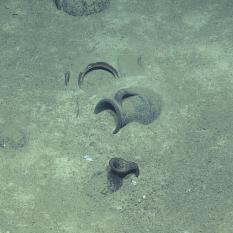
(82, 7)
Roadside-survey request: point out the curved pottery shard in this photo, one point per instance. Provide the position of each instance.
(120, 168)
(132, 104)
(97, 66)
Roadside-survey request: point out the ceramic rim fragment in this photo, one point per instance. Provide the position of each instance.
(97, 66)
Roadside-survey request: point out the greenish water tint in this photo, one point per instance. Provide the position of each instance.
(54, 151)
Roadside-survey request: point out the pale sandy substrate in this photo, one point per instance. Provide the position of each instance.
(185, 156)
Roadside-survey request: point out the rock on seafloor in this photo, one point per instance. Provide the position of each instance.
(82, 7)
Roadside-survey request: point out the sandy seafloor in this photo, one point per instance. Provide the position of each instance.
(49, 133)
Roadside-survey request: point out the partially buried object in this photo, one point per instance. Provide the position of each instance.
(132, 104)
(97, 66)
(82, 7)
(120, 168)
